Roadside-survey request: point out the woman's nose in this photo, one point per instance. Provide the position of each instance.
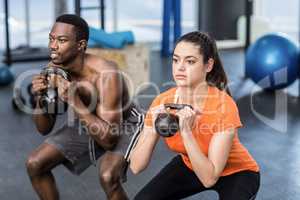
(181, 66)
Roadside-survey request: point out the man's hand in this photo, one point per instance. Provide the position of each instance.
(39, 83)
(66, 90)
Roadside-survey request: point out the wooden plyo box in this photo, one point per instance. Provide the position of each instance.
(133, 60)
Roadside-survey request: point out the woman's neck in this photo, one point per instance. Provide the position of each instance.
(192, 95)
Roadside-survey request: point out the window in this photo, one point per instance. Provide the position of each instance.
(144, 18)
(282, 15)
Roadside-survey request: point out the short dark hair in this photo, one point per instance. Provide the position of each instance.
(81, 26)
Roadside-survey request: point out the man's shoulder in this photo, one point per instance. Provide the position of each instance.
(99, 63)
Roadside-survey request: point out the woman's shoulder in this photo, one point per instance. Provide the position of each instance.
(167, 95)
(219, 98)
(168, 92)
(164, 97)
(216, 92)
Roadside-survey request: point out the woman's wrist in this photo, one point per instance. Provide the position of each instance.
(186, 133)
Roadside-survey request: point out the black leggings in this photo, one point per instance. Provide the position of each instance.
(176, 181)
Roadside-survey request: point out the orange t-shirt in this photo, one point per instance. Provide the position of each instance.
(219, 114)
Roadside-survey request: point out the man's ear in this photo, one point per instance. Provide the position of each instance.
(82, 45)
(210, 65)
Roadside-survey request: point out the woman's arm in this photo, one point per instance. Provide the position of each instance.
(143, 150)
(141, 154)
(208, 169)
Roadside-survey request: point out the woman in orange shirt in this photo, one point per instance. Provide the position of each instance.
(210, 155)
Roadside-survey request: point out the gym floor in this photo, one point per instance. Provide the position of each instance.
(276, 147)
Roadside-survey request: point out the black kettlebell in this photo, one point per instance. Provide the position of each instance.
(167, 124)
(49, 100)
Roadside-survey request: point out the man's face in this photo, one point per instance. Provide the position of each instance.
(63, 45)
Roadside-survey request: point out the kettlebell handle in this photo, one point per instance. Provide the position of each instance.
(49, 99)
(55, 70)
(176, 106)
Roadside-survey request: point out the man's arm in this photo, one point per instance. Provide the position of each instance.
(103, 127)
(44, 122)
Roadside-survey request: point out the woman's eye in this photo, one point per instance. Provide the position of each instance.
(175, 60)
(190, 62)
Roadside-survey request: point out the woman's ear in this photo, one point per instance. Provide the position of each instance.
(210, 65)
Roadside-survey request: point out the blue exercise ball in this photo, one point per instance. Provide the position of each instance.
(6, 76)
(273, 62)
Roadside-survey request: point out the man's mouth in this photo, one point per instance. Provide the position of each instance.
(53, 55)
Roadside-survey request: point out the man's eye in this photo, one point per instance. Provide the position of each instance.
(62, 40)
(175, 60)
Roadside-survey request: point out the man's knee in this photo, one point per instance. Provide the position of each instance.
(110, 169)
(109, 177)
(34, 166)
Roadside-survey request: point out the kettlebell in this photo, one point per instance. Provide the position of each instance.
(50, 101)
(167, 124)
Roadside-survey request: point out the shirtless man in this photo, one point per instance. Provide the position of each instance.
(92, 77)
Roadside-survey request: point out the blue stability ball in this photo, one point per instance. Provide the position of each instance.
(272, 62)
(6, 77)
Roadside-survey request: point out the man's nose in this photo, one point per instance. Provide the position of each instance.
(53, 45)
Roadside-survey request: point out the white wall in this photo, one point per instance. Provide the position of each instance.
(283, 15)
(143, 17)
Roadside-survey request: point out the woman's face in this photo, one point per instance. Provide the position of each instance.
(189, 69)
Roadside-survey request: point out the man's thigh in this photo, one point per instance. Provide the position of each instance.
(77, 147)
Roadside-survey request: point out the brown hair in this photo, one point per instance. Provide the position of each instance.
(208, 49)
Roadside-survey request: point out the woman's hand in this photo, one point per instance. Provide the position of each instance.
(155, 111)
(187, 118)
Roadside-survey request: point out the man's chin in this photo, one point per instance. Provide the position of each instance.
(56, 62)
(59, 64)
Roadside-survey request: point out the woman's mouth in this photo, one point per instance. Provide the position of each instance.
(180, 77)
